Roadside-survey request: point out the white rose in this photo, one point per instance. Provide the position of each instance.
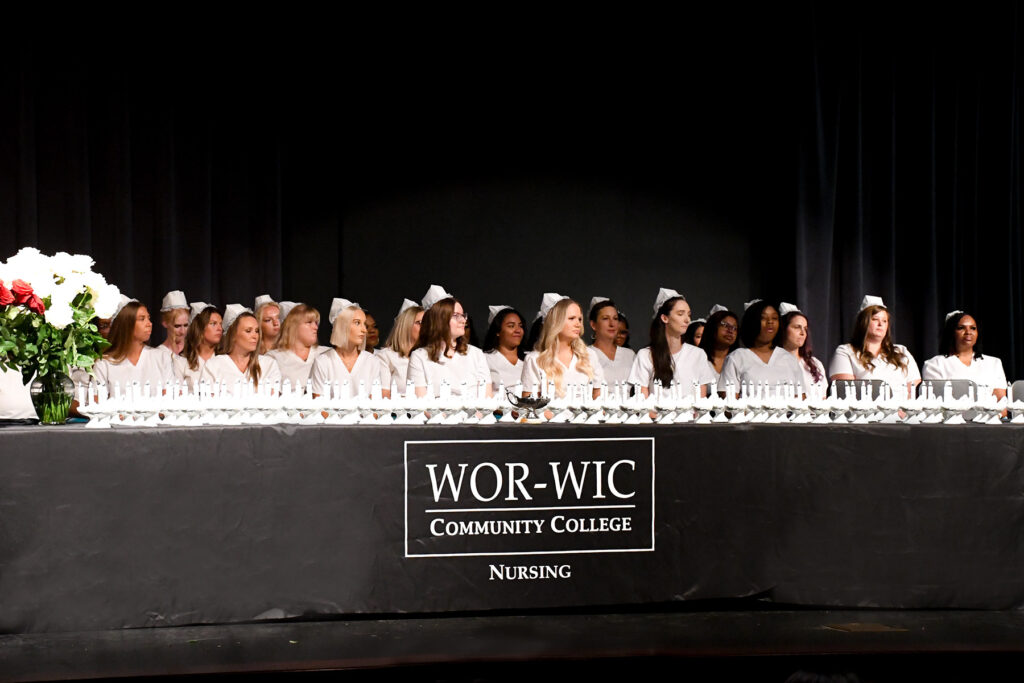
(82, 263)
(59, 315)
(29, 265)
(60, 263)
(107, 301)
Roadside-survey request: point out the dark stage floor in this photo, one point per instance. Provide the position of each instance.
(752, 645)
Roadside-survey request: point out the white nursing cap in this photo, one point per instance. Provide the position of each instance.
(493, 311)
(716, 308)
(749, 304)
(231, 313)
(434, 294)
(952, 313)
(121, 304)
(262, 299)
(596, 300)
(870, 300)
(195, 308)
(406, 305)
(173, 300)
(286, 308)
(785, 308)
(663, 296)
(699, 320)
(547, 302)
(339, 305)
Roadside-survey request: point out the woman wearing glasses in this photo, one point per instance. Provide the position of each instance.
(720, 337)
(442, 352)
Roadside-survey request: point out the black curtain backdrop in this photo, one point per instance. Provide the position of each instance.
(910, 182)
(804, 154)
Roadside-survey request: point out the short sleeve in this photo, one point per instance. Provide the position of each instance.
(417, 373)
(913, 373)
(321, 374)
(730, 373)
(595, 365)
(932, 368)
(270, 372)
(531, 373)
(841, 363)
(643, 369)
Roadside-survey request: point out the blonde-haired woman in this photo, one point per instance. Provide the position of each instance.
(268, 313)
(239, 357)
(400, 343)
(174, 318)
(560, 355)
(297, 349)
(349, 359)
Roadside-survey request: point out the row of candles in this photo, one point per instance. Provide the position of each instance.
(239, 403)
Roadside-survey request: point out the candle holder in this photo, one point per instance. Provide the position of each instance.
(529, 404)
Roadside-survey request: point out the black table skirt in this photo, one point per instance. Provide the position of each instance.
(105, 529)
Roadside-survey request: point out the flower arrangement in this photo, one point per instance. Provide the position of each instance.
(47, 304)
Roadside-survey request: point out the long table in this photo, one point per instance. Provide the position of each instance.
(104, 529)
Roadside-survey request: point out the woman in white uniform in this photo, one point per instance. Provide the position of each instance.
(721, 337)
(615, 362)
(695, 332)
(405, 332)
(297, 346)
(174, 318)
(239, 357)
(794, 337)
(871, 353)
(503, 347)
(667, 360)
(204, 335)
(761, 361)
(129, 359)
(268, 313)
(960, 356)
(443, 352)
(349, 361)
(560, 355)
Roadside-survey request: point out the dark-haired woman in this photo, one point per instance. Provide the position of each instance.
(668, 359)
(443, 353)
(871, 353)
(721, 337)
(960, 356)
(694, 332)
(204, 335)
(794, 336)
(622, 336)
(761, 361)
(129, 359)
(503, 347)
(239, 355)
(616, 361)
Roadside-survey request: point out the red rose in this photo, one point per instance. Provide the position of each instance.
(35, 304)
(6, 298)
(21, 291)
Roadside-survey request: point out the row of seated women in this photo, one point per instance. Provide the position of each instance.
(428, 346)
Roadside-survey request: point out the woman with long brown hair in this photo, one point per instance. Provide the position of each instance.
(443, 352)
(668, 360)
(238, 357)
(871, 354)
(129, 359)
(205, 331)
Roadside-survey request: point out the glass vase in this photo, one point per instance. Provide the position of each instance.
(51, 396)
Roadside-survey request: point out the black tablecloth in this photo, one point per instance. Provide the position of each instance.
(117, 528)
